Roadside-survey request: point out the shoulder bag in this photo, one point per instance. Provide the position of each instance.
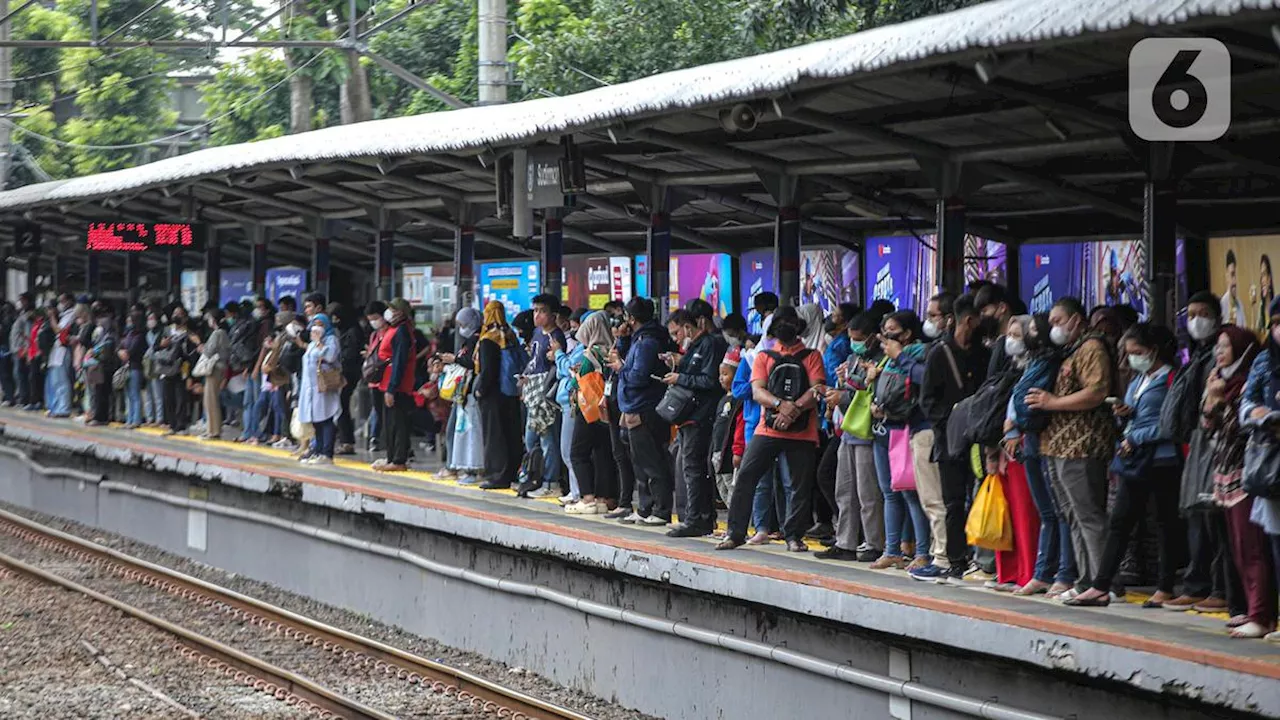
(204, 366)
(677, 405)
(453, 382)
(1261, 476)
(329, 380)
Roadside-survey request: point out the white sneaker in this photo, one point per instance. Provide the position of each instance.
(655, 521)
(568, 499)
(542, 492)
(632, 519)
(990, 584)
(320, 460)
(581, 508)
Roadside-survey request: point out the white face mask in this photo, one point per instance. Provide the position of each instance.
(389, 315)
(1014, 347)
(1059, 335)
(291, 329)
(733, 341)
(931, 329)
(684, 344)
(259, 313)
(1231, 369)
(1141, 363)
(317, 333)
(1201, 328)
(378, 323)
(151, 324)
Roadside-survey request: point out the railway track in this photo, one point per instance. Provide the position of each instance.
(464, 688)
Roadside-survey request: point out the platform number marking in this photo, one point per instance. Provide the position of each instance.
(1179, 89)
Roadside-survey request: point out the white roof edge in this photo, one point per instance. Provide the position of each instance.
(993, 24)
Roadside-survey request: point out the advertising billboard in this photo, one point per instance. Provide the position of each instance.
(1050, 272)
(828, 277)
(901, 270)
(642, 276)
(236, 286)
(284, 281)
(1117, 275)
(702, 275)
(192, 290)
(984, 260)
(1240, 273)
(513, 283)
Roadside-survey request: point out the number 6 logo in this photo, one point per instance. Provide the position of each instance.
(1179, 89)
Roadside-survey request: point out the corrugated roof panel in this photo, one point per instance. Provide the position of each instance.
(991, 25)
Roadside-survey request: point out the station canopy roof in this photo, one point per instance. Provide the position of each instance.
(1018, 106)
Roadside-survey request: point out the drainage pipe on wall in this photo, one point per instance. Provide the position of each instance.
(988, 709)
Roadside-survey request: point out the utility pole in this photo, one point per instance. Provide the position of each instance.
(493, 52)
(6, 97)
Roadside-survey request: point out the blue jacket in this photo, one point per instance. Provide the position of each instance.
(1143, 427)
(565, 363)
(637, 391)
(1040, 374)
(838, 350)
(750, 408)
(1260, 389)
(911, 362)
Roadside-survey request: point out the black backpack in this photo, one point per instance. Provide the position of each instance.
(1180, 413)
(244, 345)
(980, 417)
(290, 356)
(788, 380)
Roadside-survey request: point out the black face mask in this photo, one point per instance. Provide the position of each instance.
(988, 327)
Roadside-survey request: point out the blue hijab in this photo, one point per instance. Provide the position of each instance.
(323, 319)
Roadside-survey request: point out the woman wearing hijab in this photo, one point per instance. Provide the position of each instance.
(499, 413)
(1260, 402)
(317, 407)
(590, 451)
(218, 348)
(1235, 351)
(814, 336)
(465, 439)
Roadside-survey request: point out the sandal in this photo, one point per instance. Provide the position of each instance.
(1250, 631)
(759, 539)
(1237, 621)
(1057, 589)
(1100, 601)
(729, 544)
(1033, 587)
(797, 546)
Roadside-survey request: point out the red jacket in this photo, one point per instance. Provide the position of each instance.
(398, 356)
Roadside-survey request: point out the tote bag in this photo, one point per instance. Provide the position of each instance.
(857, 419)
(590, 393)
(901, 465)
(989, 524)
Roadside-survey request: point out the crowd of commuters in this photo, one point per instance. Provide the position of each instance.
(1126, 455)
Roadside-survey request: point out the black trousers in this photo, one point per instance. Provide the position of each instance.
(347, 424)
(102, 401)
(24, 381)
(35, 384)
(652, 464)
(397, 428)
(957, 485)
(824, 501)
(621, 458)
(177, 411)
(500, 423)
(1211, 571)
(699, 486)
(591, 456)
(1129, 510)
(762, 453)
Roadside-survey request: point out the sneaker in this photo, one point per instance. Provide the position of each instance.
(954, 576)
(976, 572)
(930, 572)
(863, 547)
(618, 513)
(345, 449)
(320, 460)
(568, 499)
(837, 553)
(632, 519)
(581, 508)
(1068, 595)
(655, 521)
(991, 584)
(542, 492)
(446, 474)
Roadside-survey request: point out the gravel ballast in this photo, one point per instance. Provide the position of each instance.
(346, 677)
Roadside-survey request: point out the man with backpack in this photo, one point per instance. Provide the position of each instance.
(787, 381)
(245, 343)
(639, 391)
(954, 368)
(543, 422)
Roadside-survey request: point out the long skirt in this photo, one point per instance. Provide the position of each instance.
(466, 447)
(1018, 565)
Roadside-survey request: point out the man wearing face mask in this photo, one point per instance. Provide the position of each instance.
(997, 306)
(939, 315)
(734, 330)
(955, 366)
(1209, 576)
(1080, 437)
(698, 370)
(646, 433)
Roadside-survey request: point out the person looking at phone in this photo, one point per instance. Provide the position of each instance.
(646, 432)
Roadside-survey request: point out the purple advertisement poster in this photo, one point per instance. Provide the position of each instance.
(984, 260)
(827, 278)
(757, 277)
(900, 270)
(1118, 275)
(706, 276)
(1050, 272)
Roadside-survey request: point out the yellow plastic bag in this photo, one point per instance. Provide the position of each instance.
(989, 524)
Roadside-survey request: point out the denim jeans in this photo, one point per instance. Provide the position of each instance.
(566, 444)
(896, 528)
(250, 419)
(326, 433)
(57, 391)
(133, 397)
(771, 495)
(280, 408)
(263, 426)
(155, 400)
(1055, 559)
(549, 441)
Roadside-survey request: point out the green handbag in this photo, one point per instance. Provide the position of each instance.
(857, 419)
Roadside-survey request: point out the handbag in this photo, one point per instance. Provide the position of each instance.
(452, 380)
(590, 393)
(204, 366)
(330, 380)
(541, 412)
(989, 524)
(1261, 475)
(857, 418)
(677, 405)
(120, 378)
(902, 466)
(373, 369)
(1135, 465)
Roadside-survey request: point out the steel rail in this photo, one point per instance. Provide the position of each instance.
(444, 678)
(278, 681)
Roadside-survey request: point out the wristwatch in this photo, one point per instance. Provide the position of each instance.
(777, 403)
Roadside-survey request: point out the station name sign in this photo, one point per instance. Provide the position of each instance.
(132, 237)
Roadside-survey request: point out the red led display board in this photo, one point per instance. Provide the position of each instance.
(131, 237)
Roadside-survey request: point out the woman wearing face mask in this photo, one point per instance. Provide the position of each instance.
(1260, 412)
(1234, 354)
(316, 406)
(153, 395)
(1028, 342)
(463, 434)
(133, 347)
(100, 364)
(218, 345)
(373, 313)
(1145, 462)
(350, 343)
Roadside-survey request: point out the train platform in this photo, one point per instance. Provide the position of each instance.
(1183, 655)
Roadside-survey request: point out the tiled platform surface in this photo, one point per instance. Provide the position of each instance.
(1161, 651)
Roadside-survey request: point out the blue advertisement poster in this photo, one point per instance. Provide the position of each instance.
(900, 270)
(237, 285)
(642, 276)
(284, 281)
(514, 284)
(757, 277)
(1050, 272)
